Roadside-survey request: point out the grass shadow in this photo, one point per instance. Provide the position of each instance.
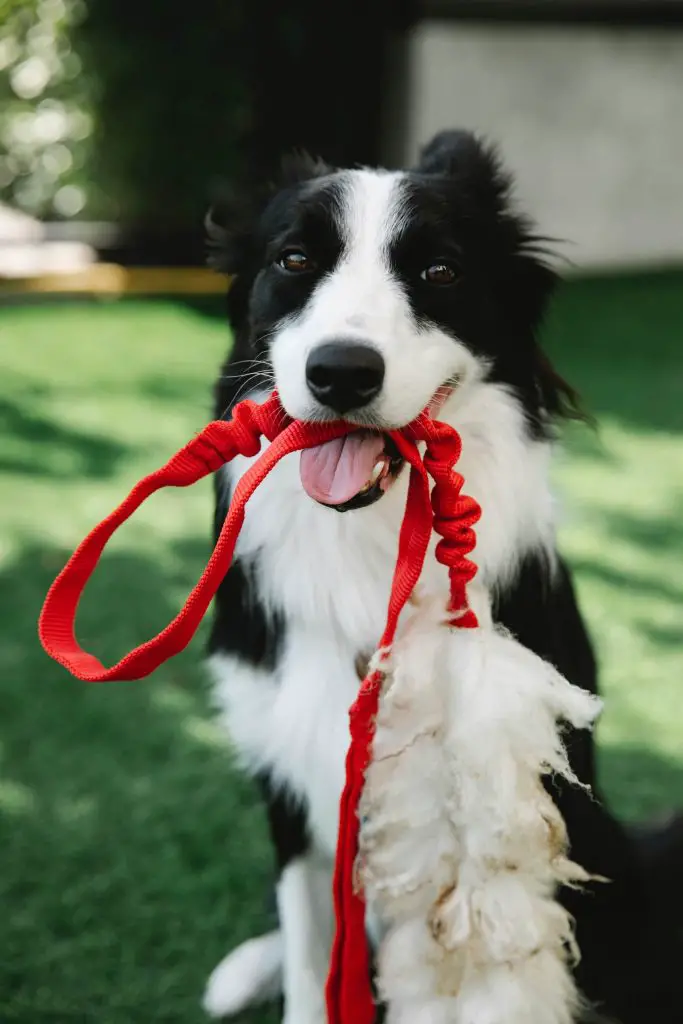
(639, 778)
(47, 448)
(660, 532)
(212, 306)
(594, 570)
(618, 340)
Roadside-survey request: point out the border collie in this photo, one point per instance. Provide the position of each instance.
(372, 294)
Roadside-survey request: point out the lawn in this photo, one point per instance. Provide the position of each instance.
(132, 854)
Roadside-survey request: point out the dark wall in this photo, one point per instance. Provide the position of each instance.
(189, 94)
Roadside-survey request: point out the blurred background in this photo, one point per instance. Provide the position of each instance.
(132, 853)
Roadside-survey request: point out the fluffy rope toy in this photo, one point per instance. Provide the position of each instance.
(445, 825)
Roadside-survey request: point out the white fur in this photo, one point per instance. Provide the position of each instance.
(331, 573)
(295, 722)
(462, 848)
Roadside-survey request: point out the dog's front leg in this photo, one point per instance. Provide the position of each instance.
(304, 896)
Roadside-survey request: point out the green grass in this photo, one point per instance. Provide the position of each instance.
(132, 853)
(621, 341)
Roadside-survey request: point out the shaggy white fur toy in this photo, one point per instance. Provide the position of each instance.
(461, 847)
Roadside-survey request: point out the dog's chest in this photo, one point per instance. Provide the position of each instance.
(328, 575)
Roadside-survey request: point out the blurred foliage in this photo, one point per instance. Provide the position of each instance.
(45, 108)
(119, 110)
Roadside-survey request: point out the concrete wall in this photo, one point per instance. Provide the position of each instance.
(590, 119)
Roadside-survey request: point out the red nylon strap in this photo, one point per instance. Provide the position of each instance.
(217, 444)
(452, 516)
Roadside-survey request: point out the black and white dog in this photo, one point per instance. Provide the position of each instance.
(372, 294)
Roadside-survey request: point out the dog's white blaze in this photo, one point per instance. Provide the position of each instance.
(362, 301)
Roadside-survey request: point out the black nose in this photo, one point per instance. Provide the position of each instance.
(344, 375)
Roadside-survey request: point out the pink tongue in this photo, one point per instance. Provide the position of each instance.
(336, 471)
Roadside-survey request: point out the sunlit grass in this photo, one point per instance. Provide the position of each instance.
(132, 855)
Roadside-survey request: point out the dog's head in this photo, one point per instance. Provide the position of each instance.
(374, 294)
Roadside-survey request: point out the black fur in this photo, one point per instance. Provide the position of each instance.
(241, 624)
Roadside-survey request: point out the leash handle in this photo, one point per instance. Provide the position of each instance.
(218, 443)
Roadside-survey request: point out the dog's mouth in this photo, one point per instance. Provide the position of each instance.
(354, 471)
(350, 472)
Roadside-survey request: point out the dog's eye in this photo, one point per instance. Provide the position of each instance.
(295, 261)
(440, 273)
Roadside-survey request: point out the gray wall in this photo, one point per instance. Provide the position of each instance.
(590, 119)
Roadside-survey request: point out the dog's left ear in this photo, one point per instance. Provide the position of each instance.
(449, 151)
(530, 284)
(472, 162)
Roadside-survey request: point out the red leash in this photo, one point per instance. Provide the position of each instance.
(451, 515)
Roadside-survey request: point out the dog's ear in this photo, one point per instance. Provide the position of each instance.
(299, 166)
(474, 163)
(229, 228)
(231, 221)
(448, 151)
(530, 282)
(559, 398)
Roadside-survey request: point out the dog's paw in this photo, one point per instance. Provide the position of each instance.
(251, 974)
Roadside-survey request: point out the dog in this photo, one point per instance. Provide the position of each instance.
(372, 295)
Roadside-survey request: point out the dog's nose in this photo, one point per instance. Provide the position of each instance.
(344, 375)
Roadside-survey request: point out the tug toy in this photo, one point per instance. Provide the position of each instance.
(445, 826)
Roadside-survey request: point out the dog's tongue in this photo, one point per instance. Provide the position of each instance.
(336, 471)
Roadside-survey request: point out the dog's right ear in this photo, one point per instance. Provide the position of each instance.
(231, 222)
(229, 227)
(299, 166)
